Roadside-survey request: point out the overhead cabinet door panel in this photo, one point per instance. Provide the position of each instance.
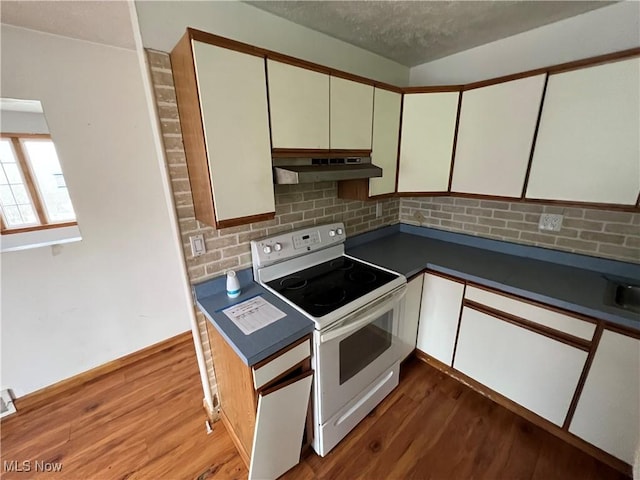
(351, 114)
(299, 106)
(588, 146)
(386, 132)
(495, 134)
(428, 125)
(233, 102)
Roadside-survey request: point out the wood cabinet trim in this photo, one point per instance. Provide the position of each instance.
(280, 386)
(568, 437)
(603, 206)
(399, 142)
(535, 303)
(583, 376)
(284, 350)
(434, 89)
(444, 275)
(234, 222)
(455, 343)
(422, 194)
(455, 141)
(188, 101)
(551, 333)
(622, 330)
(280, 57)
(535, 137)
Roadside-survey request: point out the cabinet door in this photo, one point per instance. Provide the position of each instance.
(233, 103)
(282, 415)
(608, 412)
(533, 370)
(351, 114)
(426, 143)
(299, 106)
(495, 134)
(587, 148)
(411, 315)
(439, 315)
(386, 133)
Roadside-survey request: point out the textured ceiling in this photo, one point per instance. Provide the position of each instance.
(99, 21)
(415, 32)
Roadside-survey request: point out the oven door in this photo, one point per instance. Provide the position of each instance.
(352, 353)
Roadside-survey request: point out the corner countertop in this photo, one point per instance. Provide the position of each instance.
(211, 298)
(574, 282)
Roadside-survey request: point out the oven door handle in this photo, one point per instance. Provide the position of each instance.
(372, 312)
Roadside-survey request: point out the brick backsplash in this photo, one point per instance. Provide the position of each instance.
(600, 233)
(297, 206)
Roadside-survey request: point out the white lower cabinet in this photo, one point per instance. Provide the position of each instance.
(439, 313)
(608, 412)
(533, 370)
(280, 422)
(411, 315)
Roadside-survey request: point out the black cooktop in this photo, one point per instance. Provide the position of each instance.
(323, 288)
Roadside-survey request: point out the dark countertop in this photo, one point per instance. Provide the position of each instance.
(570, 281)
(211, 298)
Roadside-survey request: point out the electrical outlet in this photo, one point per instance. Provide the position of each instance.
(197, 245)
(550, 222)
(417, 215)
(378, 209)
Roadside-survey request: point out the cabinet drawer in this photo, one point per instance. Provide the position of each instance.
(266, 372)
(533, 313)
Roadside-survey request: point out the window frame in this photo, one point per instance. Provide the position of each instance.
(29, 182)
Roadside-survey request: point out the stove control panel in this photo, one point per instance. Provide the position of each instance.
(288, 245)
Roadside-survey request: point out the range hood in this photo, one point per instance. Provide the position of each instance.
(308, 170)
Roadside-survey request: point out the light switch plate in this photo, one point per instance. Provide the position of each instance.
(550, 222)
(197, 245)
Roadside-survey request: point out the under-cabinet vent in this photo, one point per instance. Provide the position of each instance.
(6, 404)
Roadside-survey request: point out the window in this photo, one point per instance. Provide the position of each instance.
(33, 192)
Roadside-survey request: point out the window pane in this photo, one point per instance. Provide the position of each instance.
(12, 172)
(6, 196)
(48, 175)
(6, 152)
(12, 216)
(20, 194)
(28, 215)
(3, 177)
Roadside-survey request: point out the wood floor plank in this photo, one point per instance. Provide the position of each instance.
(146, 421)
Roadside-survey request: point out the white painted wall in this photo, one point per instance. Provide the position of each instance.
(597, 32)
(162, 24)
(70, 308)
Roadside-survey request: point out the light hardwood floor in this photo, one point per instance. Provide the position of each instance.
(146, 421)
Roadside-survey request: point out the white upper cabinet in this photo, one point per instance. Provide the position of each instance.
(299, 106)
(386, 132)
(495, 135)
(588, 145)
(428, 125)
(351, 114)
(233, 104)
(608, 412)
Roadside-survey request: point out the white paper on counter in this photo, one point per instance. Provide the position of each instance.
(253, 314)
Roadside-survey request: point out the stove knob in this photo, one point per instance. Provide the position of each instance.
(267, 249)
(332, 233)
(339, 231)
(277, 247)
